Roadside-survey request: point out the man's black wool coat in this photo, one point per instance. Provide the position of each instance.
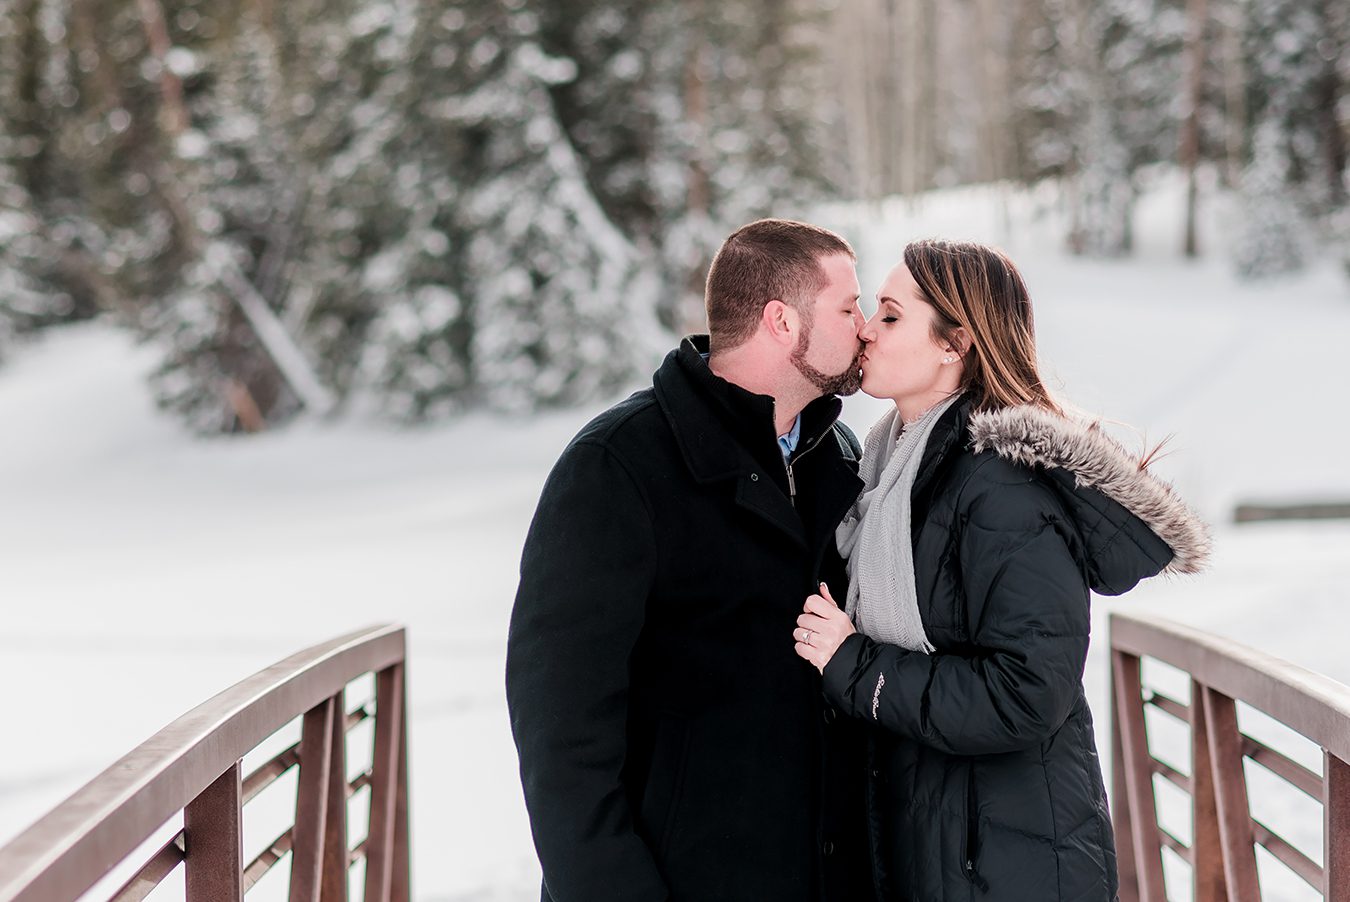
(672, 745)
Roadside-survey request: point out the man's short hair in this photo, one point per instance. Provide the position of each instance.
(769, 259)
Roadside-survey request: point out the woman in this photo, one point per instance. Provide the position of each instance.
(986, 517)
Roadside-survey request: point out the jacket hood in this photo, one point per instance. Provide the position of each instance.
(1089, 467)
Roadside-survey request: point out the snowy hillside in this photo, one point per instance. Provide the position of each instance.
(145, 570)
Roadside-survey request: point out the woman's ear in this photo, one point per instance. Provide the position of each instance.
(959, 343)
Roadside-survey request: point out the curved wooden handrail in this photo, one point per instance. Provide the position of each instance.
(1222, 673)
(1308, 702)
(75, 844)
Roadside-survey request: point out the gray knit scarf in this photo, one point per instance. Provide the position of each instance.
(875, 535)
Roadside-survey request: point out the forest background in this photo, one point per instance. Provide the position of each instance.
(357, 251)
(426, 209)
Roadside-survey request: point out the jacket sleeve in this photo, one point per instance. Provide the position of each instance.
(1027, 607)
(585, 574)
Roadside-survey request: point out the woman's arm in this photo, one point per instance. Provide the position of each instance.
(1027, 610)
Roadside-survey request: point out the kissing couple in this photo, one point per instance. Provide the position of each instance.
(752, 658)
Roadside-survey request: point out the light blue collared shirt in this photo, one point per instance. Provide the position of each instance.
(787, 442)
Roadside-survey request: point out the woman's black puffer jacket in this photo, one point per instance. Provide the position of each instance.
(984, 776)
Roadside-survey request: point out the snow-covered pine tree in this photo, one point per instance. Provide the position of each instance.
(26, 298)
(233, 177)
(634, 50)
(1141, 43)
(382, 265)
(442, 236)
(543, 301)
(1273, 233)
(372, 186)
(1104, 190)
(1286, 184)
(318, 174)
(1128, 58)
(767, 145)
(56, 262)
(752, 135)
(399, 187)
(720, 122)
(1046, 92)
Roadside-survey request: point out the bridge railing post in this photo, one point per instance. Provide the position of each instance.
(214, 840)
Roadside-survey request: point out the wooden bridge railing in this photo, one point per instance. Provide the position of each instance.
(194, 766)
(1222, 851)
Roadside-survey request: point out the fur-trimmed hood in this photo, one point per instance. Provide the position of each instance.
(1085, 462)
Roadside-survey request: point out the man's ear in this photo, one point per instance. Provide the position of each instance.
(781, 322)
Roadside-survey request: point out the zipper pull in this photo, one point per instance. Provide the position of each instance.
(792, 486)
(974, 877)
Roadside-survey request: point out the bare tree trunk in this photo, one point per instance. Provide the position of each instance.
(998, 28)
(86, 40)
(994, 97)
(910, 55)
(1235, 93)
(1197, 15)
(1330, 92)
(698, 189)
(172, 111)
(928, 138)
(32, 124)
(276, 341)
(862, 66)
(244, 406)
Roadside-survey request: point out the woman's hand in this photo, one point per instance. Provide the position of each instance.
(822, 629)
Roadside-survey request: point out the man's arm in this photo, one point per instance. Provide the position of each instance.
(585, 575)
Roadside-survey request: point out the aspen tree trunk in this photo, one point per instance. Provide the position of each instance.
(859, 70)
(910, 55)
(930, 137)
(994, 98)
(1235, 94)
(1330, 92)
(1197, 16)
(172, 112)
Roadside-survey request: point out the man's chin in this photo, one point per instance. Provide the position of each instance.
(854, 385)
(841, 384)
(845, 384)
(850, 390)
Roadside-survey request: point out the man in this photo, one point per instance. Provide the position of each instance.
(672, 745)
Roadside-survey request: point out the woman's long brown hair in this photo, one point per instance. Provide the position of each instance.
(978, 289)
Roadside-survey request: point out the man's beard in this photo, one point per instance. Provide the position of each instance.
(846, 383)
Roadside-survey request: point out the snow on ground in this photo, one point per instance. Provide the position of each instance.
(144, 570)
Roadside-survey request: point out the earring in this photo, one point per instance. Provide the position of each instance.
(946, 360)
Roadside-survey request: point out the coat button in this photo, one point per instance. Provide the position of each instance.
(754, 477)
(828, 714)
(876, 774)
(827, 848)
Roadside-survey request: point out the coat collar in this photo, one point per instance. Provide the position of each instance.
(726, 433)
(717, 423)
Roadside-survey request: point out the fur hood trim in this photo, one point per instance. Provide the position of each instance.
(1034, 437)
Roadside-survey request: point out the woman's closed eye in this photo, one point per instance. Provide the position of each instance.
(889, 319)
